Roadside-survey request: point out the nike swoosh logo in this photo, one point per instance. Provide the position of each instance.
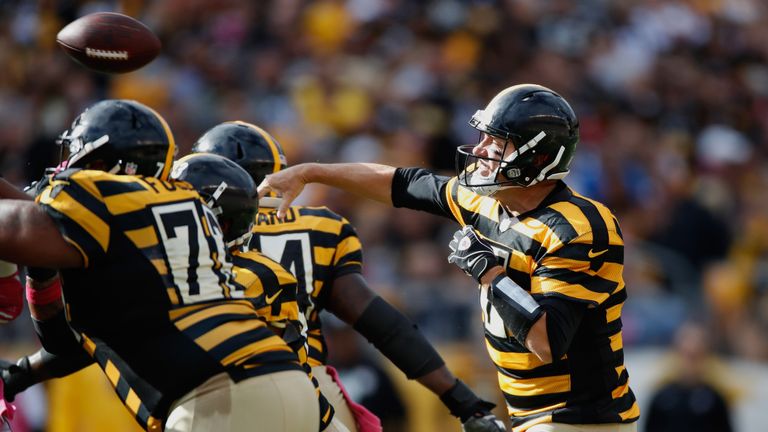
(272, 298)
(596, 254)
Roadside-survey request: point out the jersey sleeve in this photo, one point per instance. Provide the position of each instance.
(348, 257)
(580, 271)
(77, 208)
(420, 189)
(270, 287)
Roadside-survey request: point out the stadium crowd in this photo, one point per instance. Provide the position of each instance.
(672, 98)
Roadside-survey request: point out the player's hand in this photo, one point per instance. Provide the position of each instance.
(483, 423)
(470, 253)
(473, 412)
(16, 378)
(287, 183)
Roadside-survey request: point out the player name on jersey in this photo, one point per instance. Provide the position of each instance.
(271, 218)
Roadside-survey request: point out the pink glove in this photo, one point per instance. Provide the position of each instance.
(11, 298)
(7, 409)
(366, 420)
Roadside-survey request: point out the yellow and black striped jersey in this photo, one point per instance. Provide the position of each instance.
(273, 290)
(269, 286)
(317, 246)
(156, 291)
(571, 248)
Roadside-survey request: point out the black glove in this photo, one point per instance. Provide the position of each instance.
(16, 377)
(486, 423)
(474, 413)
(470, 253)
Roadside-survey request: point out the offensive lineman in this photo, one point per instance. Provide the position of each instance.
(271, 288)
(148, 284)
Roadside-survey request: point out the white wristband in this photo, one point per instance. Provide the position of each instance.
(517, 294)
(516, 307)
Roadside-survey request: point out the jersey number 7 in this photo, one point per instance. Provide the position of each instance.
(193, 246)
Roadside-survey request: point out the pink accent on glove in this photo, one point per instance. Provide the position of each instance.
(366, 420)
(11, 298)
(7, 409)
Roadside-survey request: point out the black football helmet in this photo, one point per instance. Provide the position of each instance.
(227, 189)
(541, 126)
(120, 137)
(246, 144)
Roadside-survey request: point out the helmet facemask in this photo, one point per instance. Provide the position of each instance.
(76, 152)
(234, 213)
(518, 169)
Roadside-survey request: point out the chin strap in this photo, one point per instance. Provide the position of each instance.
(486, 186)
(243, 239)
(217, 194)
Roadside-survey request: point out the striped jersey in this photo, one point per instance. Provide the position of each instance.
(570, 248)
(273, 290)
(317, 246)
(269, 286)
(155, 303)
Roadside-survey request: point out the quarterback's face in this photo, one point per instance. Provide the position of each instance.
(490, 150)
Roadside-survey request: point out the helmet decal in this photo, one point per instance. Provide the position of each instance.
(178, 168)
(131, 168)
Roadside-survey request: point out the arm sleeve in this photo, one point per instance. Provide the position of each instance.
(420, 189)
(59, 366)
(41, 366)
(398, 339)
(77, 208)
(563, 319)
(55, 334)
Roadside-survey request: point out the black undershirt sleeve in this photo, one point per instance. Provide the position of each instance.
(563, 319)
(420, 189)
(398, 339)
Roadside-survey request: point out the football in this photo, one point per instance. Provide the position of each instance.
(109, 42)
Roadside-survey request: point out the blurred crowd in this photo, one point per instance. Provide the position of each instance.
(672, 98)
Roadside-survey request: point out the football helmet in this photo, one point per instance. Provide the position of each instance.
(539, 124)
(246, 144)
(227, 189)
(120, 137)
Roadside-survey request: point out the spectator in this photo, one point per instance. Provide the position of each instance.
(689, 399)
